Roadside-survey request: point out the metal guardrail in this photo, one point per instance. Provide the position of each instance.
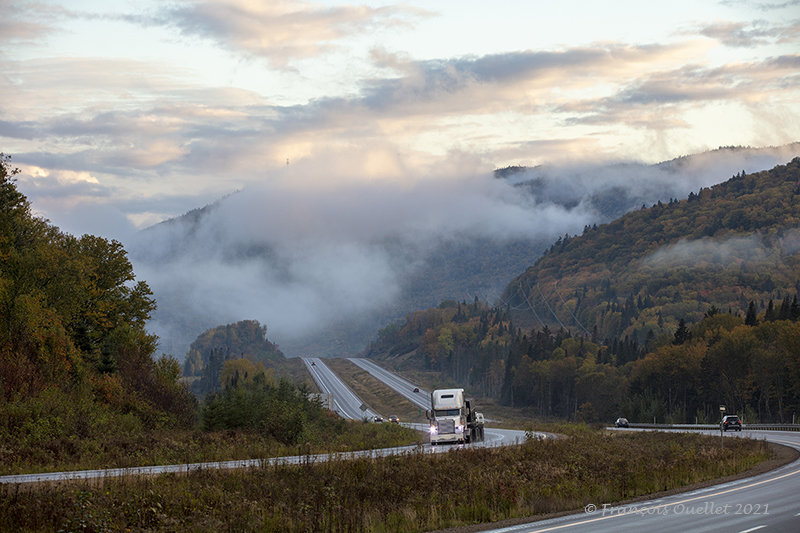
(745, 427)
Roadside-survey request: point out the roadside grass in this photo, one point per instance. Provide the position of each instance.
(417, 491)
(127, 450)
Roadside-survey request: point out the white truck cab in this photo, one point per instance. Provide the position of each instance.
(452, 418)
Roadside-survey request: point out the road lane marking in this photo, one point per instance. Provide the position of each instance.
(663, 505)
(751, 529)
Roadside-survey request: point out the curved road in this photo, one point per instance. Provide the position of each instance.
(766, 503)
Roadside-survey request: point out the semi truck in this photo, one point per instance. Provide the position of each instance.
(453, 418)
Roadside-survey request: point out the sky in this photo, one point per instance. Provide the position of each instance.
(332, 129)
(123, 113)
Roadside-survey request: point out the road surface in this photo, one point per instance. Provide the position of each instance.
(400, 385)
(768, 503)
(346, 403)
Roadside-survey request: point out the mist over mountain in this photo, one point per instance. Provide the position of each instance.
(324, 269)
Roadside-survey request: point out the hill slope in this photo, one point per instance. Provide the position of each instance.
(724, 246)
(630, 318)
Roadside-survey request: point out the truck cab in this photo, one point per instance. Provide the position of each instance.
(452, 418)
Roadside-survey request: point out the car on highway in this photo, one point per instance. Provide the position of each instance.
(621, 422)
(313, 363)
(416, 389)
(378, 419)
(395, 419)
(731, 422)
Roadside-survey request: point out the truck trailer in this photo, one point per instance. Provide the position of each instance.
(453, 418)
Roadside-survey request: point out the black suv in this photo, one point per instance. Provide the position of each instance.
(731, 422)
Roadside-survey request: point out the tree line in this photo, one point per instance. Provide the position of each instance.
(751, 364)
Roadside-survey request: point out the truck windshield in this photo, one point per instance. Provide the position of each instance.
(447, 412)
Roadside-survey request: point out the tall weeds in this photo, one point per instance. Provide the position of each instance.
(417, 491)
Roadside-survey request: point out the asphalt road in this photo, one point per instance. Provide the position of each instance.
(769, 502)
(346, 403)
(766, 503)
(400, 385)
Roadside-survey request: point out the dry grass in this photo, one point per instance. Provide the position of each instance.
(414, 492)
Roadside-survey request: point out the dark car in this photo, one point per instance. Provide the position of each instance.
(731, 422)
(378, 419)
(621, 423)
(416, 389)
(395, 419)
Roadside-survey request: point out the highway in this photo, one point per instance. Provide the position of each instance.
(766, 503)
(346, 403)
(400, 385)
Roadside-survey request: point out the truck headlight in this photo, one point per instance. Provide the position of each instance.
(433, 430)
(459, 429)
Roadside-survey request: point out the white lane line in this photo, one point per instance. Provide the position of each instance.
(751, 529)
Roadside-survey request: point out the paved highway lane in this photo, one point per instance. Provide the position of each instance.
(767, 503)
(401, 385)
(346, 403)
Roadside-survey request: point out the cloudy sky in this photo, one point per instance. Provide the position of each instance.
(123, 113)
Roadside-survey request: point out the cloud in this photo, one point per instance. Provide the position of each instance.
(728, 253)
(731, 252)
(27, 23)
(660, 100)
(303, 258)
(282, 31)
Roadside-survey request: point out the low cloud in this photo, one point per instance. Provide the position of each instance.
(301, 258)
(728, 253)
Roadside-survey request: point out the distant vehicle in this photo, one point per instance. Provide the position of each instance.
(378, 419)
(731, 422)
(395, 419)
(416, 389)
(313, 363)
(621, 423)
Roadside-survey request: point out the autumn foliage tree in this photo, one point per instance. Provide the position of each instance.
(72, 333)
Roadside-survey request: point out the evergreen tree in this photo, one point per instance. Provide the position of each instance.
(750, 318)
(682, 334)
(770, 315)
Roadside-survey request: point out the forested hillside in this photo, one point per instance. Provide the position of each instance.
(75, 359)
(724, 246)
(231, 352)
(661, 315)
